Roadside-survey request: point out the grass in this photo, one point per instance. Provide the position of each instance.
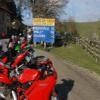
(77, 55)
(87, 29)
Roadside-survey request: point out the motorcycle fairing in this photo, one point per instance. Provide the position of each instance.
(28, 75)
(42, 89)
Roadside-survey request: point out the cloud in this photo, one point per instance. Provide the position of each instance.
(83, 10)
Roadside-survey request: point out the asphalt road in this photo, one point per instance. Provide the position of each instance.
(74, 83)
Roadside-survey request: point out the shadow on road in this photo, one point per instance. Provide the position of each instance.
(64, 88)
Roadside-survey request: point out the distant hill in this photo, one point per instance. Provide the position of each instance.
(89, 29)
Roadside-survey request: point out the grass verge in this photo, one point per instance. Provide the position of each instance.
(77, 55)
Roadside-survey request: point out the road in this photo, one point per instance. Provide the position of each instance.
(74, 83)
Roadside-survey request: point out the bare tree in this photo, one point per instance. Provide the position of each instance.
(44, 8)
(72, 29)
(71, 26)
(48, 8)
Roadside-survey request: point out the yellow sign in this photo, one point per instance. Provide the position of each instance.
(43, 22)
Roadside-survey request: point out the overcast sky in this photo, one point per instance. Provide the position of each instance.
(83, 10)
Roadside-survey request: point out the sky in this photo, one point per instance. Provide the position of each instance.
(27, 17)
(82, 10)
(26, 12)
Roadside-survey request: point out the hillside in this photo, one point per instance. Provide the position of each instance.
(89, 29)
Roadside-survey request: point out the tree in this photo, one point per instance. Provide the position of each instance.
(44, 8)
(8, 15)
(48, 8)
(4, 18)
(72, 30)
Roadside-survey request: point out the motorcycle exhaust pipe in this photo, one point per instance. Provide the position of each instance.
(14, 95)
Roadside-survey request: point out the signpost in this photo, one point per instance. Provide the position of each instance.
(43, 22)
(44, 30)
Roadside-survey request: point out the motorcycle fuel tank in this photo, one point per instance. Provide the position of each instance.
(28, 75)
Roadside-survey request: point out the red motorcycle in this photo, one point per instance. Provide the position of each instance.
(6, 57)
(32, 83)
(10, 55)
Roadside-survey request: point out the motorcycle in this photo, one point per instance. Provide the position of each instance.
(33, 83)
(24, 57)
(9, 55)
(5, 81)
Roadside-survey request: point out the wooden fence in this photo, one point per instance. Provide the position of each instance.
(91, 46)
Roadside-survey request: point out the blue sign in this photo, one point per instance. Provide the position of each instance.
(44, 34)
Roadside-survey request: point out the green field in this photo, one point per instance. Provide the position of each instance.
(87, 29)
(76, 55)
